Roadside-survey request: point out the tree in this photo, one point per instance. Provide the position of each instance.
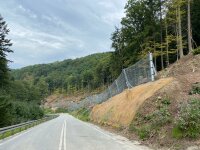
(189, 28)
(4, 49)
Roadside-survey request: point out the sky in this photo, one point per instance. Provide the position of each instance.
(44, 31)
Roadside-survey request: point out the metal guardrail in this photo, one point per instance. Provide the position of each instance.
(23, 126)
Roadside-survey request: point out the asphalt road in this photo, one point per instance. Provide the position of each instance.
(68, 133)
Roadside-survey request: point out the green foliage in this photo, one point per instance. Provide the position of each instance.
(61, 110)
(188, 121)
(195, 88)
(5, 45)
(195, 13)
(144, 132)
(13, 111)
(143, 30)
(82, 114)
(177, 133)
(196, 51)
(18, 100)
(151, 123)
(69, 76)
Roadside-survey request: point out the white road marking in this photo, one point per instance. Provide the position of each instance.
(61, 138)
(65, 148)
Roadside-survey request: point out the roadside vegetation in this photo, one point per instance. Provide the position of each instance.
(82, 114)
(151, 124)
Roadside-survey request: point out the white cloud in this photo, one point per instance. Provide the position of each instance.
(44, 31)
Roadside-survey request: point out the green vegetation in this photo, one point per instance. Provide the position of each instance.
(82, 114)
(188, 121)
(152, 123)
(68, 76)
(154, 26)
(19, 100)
(196, 51)
(61, 110)
(195, 88)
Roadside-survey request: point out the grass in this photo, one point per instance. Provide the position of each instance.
(82, 114)
(152, 123)
(188, 120)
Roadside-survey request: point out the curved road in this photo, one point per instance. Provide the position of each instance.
(68, 133)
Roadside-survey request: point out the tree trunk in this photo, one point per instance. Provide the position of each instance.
(161, 38)
(167, 42)
(189, 29)
(180, 32)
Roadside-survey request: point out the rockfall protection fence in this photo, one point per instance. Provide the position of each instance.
(141, 72)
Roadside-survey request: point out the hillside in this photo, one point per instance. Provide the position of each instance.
(69, 76)
(164, 113)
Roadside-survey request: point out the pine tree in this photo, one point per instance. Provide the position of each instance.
(4, 49)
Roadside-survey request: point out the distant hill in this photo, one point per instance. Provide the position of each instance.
(86, 73)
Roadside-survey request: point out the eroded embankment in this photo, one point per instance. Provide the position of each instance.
(121, 109)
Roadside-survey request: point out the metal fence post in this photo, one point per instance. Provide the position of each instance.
(151, 67)
(117, 86)
(126, 78)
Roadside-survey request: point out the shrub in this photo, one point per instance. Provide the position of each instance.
(151, 123)
(144, 132)
(195, 88)
(188, 120)
(196, 51)
(82, 114)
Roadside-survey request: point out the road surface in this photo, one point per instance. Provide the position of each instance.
(68, 133)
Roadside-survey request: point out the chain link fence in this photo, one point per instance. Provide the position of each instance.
(141, 72)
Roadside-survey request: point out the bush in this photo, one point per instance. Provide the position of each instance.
(188, 120)
(144, 132)
(195, 88)
(82, 114)
(151, 123)
(196, 51)
(61, 110)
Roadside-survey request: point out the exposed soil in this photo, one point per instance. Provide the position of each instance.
(185, 73)
(121, 109)
(61, 100)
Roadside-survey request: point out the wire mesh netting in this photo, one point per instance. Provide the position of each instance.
(132, 76)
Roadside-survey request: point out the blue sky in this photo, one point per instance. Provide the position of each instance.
(44, 31)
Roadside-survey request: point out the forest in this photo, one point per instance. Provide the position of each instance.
(167, 28)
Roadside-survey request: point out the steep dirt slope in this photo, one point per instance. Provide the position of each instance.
(121, 109)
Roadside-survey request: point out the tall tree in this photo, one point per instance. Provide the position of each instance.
(179, 26)
(4, 49)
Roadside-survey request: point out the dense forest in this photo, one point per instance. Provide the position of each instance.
(167, 28)
(69, 76)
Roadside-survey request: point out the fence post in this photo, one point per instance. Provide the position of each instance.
(117, 86)
(126, 78)
(110, 91)
(152, 69)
